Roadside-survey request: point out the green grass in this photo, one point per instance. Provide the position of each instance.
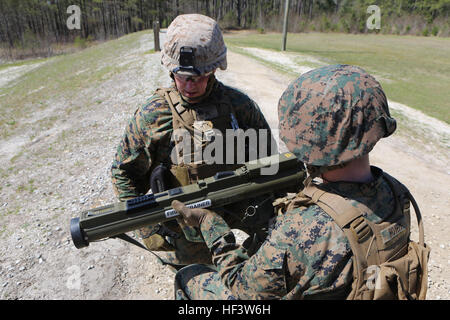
(60, 77)
(20, 63)
(30, 187)
(414, 71)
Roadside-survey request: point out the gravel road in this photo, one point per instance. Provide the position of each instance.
(63, 169)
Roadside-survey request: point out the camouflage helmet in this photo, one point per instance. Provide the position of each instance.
(333, 114)
(194, 45)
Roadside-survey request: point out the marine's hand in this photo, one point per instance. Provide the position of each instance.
(192, 217)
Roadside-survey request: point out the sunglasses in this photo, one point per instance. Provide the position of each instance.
(195, 79)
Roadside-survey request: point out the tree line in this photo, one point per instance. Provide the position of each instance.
(34, 23)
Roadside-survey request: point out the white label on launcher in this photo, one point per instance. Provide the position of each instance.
(201, 204)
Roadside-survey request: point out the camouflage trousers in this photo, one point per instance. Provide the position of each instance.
(200, 282)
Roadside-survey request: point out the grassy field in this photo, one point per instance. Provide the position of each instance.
(59, 77)
(414, 71)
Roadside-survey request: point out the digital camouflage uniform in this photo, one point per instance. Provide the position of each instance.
(147, 140)
(148, 137)
(328, 116)
(306, 256)
(194, 47)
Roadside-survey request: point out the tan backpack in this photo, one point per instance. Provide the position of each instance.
(387, 264)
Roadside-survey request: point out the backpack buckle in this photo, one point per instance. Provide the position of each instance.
(361, 229)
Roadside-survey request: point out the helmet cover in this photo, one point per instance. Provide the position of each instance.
(333, 114)
(199, 33)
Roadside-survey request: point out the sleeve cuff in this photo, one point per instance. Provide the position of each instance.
(213, 227)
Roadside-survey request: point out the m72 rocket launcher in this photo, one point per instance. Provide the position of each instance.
(224, 188)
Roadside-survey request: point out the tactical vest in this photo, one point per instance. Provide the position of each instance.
(386, 263)
(199, 123)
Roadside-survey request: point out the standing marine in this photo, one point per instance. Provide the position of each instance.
(347, 233)
(164, 143)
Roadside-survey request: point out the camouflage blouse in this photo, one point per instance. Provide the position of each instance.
(306, 255)
(148, 136)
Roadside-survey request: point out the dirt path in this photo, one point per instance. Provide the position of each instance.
(425, 172)
(65, 169)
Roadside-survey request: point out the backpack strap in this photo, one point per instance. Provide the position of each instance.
(400, 189)
(355, 227)
(363, 234)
